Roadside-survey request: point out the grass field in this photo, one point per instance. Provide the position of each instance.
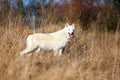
(92, 55)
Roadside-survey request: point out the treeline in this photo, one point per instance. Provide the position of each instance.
(104, 13)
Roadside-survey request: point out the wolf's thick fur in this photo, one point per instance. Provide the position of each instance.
(55, 41)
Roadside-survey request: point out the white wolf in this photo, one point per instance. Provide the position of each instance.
(55, 41)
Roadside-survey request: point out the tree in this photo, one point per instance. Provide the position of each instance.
(117, 4)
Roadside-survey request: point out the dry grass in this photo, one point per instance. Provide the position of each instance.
(92, 55)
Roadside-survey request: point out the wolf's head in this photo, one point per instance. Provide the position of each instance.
(70, 29)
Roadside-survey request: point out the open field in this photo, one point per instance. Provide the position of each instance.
(92, 55)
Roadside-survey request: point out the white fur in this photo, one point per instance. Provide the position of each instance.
(55, 41)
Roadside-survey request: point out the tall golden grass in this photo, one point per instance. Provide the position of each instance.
(92, 55)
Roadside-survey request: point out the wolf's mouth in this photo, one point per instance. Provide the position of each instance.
(71, 35)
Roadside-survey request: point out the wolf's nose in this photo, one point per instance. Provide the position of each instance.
(72, 33)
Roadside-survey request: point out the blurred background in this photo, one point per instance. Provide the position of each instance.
(35, 12)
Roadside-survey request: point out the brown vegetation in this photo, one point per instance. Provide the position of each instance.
(92, 55)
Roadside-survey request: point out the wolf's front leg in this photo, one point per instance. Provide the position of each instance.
(60, 52)
(55, 52)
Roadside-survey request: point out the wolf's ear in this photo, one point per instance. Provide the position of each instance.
(66, 25)
(73, 25)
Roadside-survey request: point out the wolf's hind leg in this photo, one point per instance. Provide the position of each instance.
(37, 49)
(27, 50)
